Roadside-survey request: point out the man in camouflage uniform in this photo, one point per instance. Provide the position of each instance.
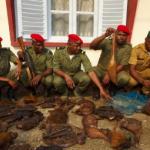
(8, 79)
(122, 55)
(140, 65)
(67, 68)
(41, 59)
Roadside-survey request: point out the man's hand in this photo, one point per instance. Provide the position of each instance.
(69, 81)
(109, 31)
(36, 80)
(20, 55)
(12, 83)
(146, 83)
(105, 95)
(106, 79)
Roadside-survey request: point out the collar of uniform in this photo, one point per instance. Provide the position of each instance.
(75, 55)
(142, 46)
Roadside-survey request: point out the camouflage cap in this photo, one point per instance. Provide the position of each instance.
(148, 35)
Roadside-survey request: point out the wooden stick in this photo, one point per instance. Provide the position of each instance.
(112, 68)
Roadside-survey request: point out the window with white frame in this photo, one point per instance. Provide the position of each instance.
(54, 19)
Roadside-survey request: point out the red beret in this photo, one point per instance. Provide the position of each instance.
(37, 37)
(1, 39)
(75, 38)
(123, 28)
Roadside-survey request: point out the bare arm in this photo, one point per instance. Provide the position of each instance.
(138, 77)
(10, 82)
(4, 79)
(95, 79)
(94, 44)
(37, 78)
(70, 83)
(135, 74)
(120, 68)
(47, 72)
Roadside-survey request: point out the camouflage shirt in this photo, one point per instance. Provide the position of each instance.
(6, 56)
(122, 54)
(41, 61)
(63, 62)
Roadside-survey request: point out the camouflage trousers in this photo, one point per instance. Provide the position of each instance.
(81, 80)
(123, 77)
(24, 79)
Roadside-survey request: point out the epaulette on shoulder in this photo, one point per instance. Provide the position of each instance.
(46, 50)
(49, 51)
(60, 48)
(83, 52)
(28, 47)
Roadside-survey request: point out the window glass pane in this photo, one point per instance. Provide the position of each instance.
(60, 24)
(85, 25)
(60, 4)
(85, 5)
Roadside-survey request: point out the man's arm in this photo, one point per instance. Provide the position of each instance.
(119, 68)
(95, 43)
(95, 79)
(70, 83)
(48, 71)
(137, 77)
(10, 82)
(37, 78)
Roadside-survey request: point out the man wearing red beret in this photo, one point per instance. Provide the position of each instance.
(67, 68)
(8, 79)
(122, 55)
(41, 59)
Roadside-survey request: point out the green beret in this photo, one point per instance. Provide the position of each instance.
(148, 35)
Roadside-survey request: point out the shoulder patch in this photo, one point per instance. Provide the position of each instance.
(28, 48)
(83, 51)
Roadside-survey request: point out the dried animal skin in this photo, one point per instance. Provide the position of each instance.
(109, 113)
(57, 116)
(90, 123)
(61, 135)
(146, 108)
(20, 146)
(133, 125)
(7, 137)
(86, 107)
(29, 123)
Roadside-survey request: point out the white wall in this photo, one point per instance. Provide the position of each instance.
(141, 27)
(142, 22)
(4, 30)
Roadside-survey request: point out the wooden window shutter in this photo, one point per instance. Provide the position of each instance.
(31, 17)
(114, 13)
